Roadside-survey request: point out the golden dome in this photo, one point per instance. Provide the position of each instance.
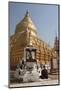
(26, 23)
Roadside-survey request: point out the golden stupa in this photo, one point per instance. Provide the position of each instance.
(25, 35)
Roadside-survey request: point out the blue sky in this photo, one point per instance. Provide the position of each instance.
(45, 18)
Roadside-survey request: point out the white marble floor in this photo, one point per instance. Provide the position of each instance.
(39, 83)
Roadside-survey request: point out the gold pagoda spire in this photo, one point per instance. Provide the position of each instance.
(27, 14)
(25, 23)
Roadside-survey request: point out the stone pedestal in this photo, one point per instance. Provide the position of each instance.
(31, 75)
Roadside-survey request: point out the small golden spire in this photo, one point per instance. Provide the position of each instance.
(27, 13)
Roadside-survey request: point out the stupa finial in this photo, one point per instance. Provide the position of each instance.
(27, 13)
